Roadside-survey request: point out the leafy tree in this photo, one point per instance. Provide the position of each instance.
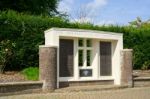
(140, 23)
(37, 7)
(136, 23)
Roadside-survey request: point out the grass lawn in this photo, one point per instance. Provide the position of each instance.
(31, 73)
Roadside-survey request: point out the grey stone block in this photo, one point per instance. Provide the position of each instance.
(126, 67)
(48, 67)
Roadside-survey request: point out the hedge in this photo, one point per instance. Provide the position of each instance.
(26, 32)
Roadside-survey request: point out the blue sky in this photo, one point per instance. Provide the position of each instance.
(106, 11)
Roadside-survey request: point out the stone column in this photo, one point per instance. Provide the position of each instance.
(126, 67)
(48, 67)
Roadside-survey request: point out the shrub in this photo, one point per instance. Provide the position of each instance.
(6, 53)
(31, 73)
(146, 65)
(26, 32)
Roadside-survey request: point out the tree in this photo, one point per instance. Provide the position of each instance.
(140, 23)
(82, 15)
(136, 23)
(37, 7)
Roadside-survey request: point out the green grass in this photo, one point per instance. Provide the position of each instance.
(31, 73)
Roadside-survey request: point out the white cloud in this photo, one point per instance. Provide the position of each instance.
(96, 4)
(82, 20)
(65, 5)
(90, 9)
(106, 22)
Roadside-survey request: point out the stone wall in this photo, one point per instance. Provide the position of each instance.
(86, 83)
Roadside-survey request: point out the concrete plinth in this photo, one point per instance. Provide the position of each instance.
(48, 67)
(126, 67)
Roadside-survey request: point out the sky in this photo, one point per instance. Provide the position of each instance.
(101, 12)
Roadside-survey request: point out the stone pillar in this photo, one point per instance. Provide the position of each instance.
(126, 67)
(48, 67)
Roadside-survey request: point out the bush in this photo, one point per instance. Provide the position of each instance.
(27, 33)
(6, 53)
(31, 73)
(146, 65)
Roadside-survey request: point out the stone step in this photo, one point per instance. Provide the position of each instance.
(10, 88)
(141, 81)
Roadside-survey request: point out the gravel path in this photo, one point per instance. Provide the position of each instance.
(11, 77)
(128, 93)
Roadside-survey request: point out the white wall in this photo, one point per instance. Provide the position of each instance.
(52, 39)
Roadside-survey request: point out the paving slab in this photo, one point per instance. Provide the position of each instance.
(88, 88)
(127, 93)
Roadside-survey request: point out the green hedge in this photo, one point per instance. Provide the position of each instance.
(26, 33)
